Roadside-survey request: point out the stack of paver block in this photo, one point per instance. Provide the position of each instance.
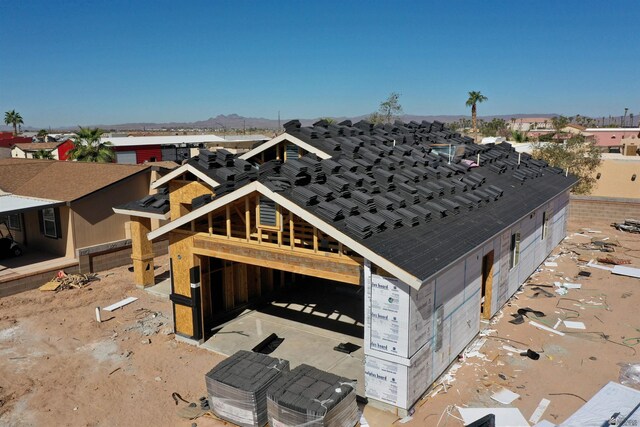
(311, 397)
(237, 387)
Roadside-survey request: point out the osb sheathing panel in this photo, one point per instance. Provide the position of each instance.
(184, 192)
(182, 260)
(184, 320)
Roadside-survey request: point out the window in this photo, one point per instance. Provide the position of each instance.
(515, 249)
(50, 222)
(13, 221)
(545, 225)
(290, 152)
(268, 213)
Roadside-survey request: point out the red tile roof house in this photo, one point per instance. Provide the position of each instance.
(7, 140)
(61, 215)
(59, 150)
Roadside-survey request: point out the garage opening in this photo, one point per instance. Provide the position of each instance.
(319, 322)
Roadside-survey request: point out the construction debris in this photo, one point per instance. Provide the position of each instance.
(629, 225)
(67, 281)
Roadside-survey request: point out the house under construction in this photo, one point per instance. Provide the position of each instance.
(414, 231)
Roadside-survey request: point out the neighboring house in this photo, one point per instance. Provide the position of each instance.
(618, 176)
(59, 150)
(7, 140)
(611, 139)
(436, 244)
(530, 123)
(60, 208)
(141, 149)
(565, 133)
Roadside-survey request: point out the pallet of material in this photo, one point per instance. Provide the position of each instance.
(308, 396)
(237, 387)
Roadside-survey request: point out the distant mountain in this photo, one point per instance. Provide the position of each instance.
(235, 122)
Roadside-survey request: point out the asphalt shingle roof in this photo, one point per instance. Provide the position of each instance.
(389, 187)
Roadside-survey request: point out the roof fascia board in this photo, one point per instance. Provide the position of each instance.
(142, 214)
(53, 204)
(493, 237)
(409, 279)
(285, 137)
(209, 207)
(179, 171)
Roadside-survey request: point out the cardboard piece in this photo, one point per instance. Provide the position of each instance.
(50, 286)
(550, 264)
(505, 396)
(545, 328)
(611, 398)
(505, 417)
(537, 414)
(574, 325)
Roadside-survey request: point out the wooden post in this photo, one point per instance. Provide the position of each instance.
(228, 215)
(141, 252)
(210, 222)
(247, 218)
(292, 238)
(315, 239)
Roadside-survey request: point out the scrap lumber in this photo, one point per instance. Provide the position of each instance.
(66, 281)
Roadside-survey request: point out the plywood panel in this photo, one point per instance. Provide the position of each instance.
(184, 320)
(227, 286)
(253, 281)
(240, 285)
(266, 279)
(184, 192)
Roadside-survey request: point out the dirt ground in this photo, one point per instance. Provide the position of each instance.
(58, 366)
(571, 368)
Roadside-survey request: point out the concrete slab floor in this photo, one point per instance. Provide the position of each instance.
(162, 289)
(311, 328)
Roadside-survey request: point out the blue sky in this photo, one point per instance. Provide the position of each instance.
(88, 62)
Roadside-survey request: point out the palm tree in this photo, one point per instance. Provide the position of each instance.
(43, 154)
(88, 147)
(475, 98)
(13, 118)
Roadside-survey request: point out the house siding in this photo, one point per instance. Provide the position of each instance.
(94, 220)
(454, 317)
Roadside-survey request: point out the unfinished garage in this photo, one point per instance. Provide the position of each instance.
(369, 238)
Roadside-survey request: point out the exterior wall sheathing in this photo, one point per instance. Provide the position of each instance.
(409, 343)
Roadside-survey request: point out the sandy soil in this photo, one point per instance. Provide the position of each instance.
(58, 366)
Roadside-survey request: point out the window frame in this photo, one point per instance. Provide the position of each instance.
(514, 252)
(17, 217)
(545, 225)
(54, 220)
(259, 223)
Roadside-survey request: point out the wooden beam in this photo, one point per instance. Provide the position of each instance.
(327, 266)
